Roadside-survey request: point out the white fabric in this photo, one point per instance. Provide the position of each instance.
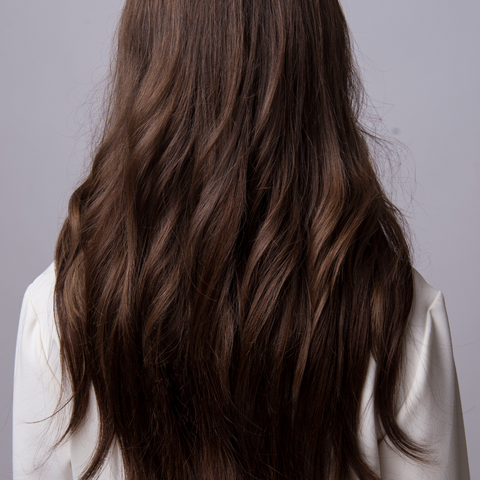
(429, 407)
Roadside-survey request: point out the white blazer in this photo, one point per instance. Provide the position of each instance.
(429, 406)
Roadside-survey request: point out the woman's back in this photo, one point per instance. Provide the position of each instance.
(231, 265)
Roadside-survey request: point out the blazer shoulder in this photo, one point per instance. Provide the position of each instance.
(41, 290)
(424, 296)
(40, 293)
(426, 326)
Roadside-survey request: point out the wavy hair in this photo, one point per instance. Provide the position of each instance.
(231, 262)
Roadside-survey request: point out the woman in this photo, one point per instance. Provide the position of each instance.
(232, 295)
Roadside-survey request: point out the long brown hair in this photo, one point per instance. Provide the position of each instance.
(231, 262)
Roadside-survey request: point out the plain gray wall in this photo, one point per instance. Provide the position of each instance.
(420, 64)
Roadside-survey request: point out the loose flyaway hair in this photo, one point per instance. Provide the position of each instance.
(231, 263)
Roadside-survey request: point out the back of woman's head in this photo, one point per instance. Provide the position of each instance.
(231, 263)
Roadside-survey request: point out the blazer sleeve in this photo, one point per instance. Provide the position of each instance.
(431, 413)
(35, 397)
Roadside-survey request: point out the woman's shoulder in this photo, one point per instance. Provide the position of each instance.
(40, 293)
(42, 288)
(428, 354)
(424, 296)
(429, 409)
(428, 314)
(40, 302)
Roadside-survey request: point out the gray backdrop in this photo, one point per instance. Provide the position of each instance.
(420, 64)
